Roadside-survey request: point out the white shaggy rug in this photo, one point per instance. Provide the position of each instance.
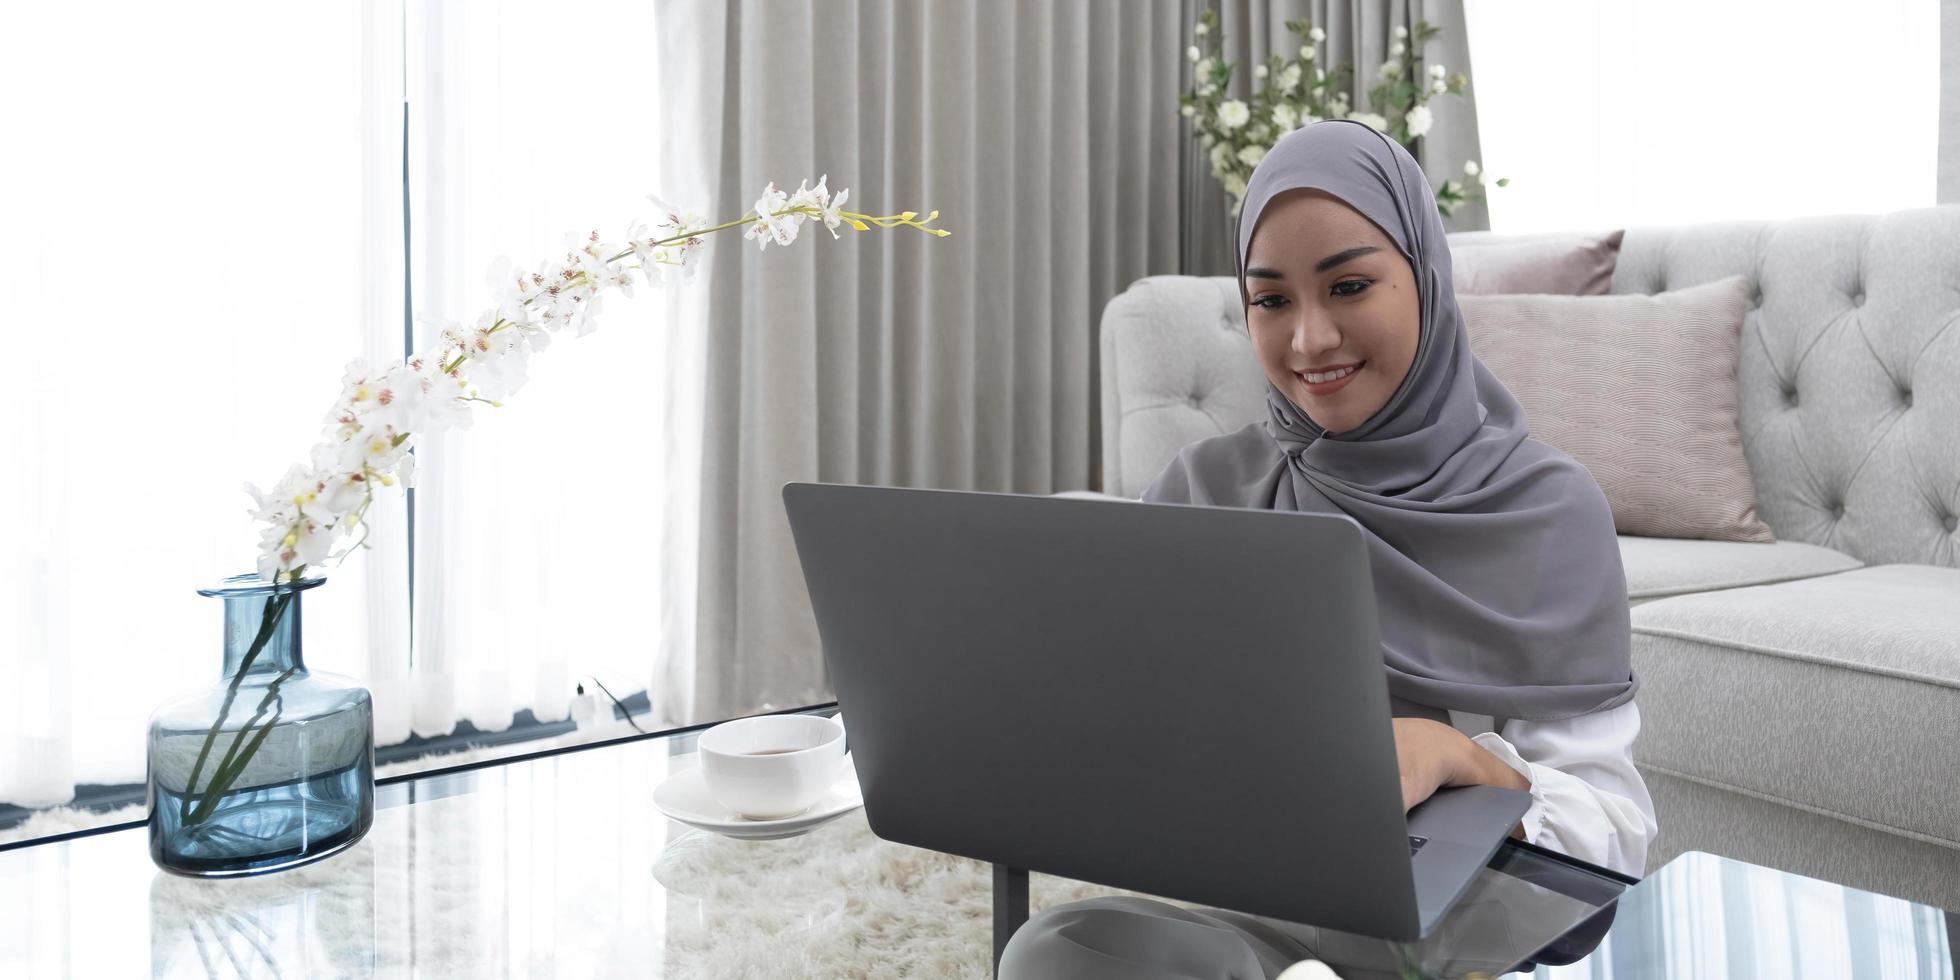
(837, 902)
(68, 819)
(859, 906)
(423, 895)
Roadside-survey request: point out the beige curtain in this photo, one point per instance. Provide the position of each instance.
(1358, 32)
(1046, 134)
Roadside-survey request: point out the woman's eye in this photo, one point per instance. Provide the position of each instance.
(1269, 302)
(1363, 283)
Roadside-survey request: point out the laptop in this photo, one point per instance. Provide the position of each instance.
(1181, 700)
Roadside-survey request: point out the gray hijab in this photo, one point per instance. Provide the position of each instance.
(1496, 567)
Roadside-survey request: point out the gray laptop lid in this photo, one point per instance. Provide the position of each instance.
(1249, 766)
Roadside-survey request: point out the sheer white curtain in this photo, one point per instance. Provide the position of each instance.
(202, 233)
(543, 540)
(195, 221)
(1605, 113)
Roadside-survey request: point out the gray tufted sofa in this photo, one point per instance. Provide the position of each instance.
(1800, 700)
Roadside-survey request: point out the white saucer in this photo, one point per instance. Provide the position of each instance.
(683, 796)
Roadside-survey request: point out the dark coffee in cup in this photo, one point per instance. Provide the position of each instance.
(771, 766)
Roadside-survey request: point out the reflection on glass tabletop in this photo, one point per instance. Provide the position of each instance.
(559, 865)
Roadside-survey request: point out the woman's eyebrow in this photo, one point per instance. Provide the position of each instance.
(1263, 272)
(1339, 257)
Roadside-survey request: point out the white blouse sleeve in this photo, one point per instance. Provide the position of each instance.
(1587, 800)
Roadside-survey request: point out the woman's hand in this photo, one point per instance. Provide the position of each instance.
(1433, 755)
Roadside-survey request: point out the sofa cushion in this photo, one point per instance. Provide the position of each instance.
(1850, 372)
(1568, 263)
(1641, 391)
(1838, 694)
(1660, 567)
(1177, 367)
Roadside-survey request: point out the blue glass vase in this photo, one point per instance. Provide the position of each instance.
(272, 767)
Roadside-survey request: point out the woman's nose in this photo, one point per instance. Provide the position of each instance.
(1315, 333)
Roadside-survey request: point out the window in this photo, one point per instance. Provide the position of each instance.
(1613, 114)
(203, 233)
(187, 226)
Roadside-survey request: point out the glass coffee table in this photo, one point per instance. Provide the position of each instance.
(558, 864)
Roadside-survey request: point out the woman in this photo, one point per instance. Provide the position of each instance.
(1504, 617)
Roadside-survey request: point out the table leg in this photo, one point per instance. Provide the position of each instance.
(1010, 906)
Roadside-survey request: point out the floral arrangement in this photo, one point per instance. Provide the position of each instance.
(1295, 91)
(382, 409)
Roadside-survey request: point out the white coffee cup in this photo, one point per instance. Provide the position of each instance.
(771, 766)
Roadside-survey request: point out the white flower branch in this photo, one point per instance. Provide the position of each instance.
(381, 410)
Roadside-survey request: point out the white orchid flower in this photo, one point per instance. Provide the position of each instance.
(381, 409)
(833, 213)
(770, 224)
(817, 197)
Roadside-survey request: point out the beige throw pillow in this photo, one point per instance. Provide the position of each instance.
(1642, 391)
(1568, 263)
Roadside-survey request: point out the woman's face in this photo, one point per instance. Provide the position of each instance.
(1328, 291)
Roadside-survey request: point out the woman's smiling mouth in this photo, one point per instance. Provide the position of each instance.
(1320, 383)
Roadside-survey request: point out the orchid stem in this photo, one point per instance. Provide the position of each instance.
(273, 611)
